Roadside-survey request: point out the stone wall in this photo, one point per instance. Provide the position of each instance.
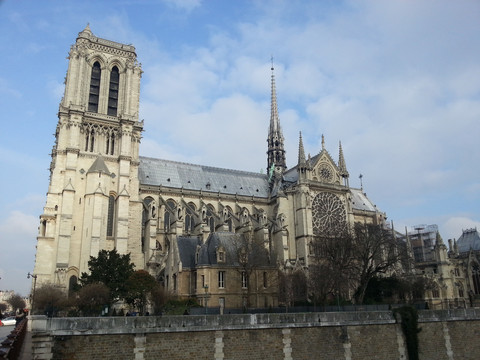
(356, 335)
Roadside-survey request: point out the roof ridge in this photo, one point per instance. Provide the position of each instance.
(205, 166)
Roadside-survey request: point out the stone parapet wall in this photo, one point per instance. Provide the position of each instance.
(355, 335)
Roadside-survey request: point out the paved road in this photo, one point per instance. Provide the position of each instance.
(4, 331)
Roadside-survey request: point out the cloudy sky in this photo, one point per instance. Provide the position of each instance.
(397, 82)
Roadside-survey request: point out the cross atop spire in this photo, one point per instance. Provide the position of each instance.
(275, 140)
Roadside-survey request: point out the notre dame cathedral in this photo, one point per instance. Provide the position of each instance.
(181, 222)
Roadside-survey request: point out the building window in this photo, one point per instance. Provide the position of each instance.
(265, 282)
(110, 149)
(174, 279)
(221, 279)
(111, 215)
(244, 280)
(90, 140)
(195, 281)
(457, 272)
(113, 92)
(189, 218)
(435, 293)
(72, 283)
(94, 88)
(476, 278)
(203, 281)
(209, 218)
(170, 208)
(221, 255)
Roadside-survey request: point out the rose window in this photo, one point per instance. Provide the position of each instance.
(328, 213)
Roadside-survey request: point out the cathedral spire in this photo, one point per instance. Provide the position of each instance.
(301, 152)
(276, 153)
(342, 165)
(303, 166)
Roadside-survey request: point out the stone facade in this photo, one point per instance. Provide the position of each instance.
(452, 273)
(103, 195)
(445, 335)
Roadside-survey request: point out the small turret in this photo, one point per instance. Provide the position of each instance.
(440, 248)
(303, 166)
(342, 166)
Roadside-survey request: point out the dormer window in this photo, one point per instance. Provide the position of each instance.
(221, 255)
(197, 255)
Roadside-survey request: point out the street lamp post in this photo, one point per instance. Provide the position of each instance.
(34, 286)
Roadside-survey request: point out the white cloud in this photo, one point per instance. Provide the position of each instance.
(18, 237)
(454, 226)
(187, 5)
(7, 90)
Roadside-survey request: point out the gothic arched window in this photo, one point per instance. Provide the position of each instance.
(167, 217)
(189, 218)
(476, 278)
(110, 143)
(90, 140)
(113, 92)
(72, 284)
(111, 214)
(210, 218)
(94, 87)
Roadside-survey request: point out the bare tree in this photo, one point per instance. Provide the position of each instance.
(16, 302)
(49, 299)
(292, 288)
(347, 260)
(333, 269)
(377, 252)
(92, 299)
(3, 307)
(159, 298)
(252, 256)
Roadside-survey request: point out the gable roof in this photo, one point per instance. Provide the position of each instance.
(469, 240)
(158, 172)
(99, 166)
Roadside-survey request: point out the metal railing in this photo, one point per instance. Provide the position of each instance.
(12, 345)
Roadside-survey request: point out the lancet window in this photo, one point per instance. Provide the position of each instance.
(90, 140)
(111, 214)
(210, 219)
(189, 218)
(113, 92)
(167, 219)
(110, 148)
(94, 87)
(476, 278)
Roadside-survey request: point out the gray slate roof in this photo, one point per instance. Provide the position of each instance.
(99, 166)
(187, 248)
(231, 243)
(174, 174)
(469, 240)
(360, 201)
(156, 172)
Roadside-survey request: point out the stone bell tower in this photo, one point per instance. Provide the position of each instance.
(92, 199)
